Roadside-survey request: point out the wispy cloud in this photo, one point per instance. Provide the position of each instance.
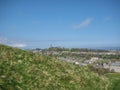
(13, 43)
(18, 45)
(108, 18)
(84, 23)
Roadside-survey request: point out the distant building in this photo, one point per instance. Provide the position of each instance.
(92, 60)
(77, 63)
(113, 66)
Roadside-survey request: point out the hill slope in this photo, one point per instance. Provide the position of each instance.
(115, 79)
(22, 70)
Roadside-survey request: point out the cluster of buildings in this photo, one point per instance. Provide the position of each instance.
(115, 66)
(92, 60)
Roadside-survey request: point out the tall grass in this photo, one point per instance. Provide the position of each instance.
(23, 70)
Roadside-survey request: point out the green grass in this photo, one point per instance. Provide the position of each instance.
(115, 79)
(23, 70)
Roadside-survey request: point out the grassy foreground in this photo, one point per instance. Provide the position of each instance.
(23, 70)
(115, 79)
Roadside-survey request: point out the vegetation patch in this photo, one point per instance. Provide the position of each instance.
(115, 79)
(24, 70)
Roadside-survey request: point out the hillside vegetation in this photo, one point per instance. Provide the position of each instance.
(115, 79)
(23, 70)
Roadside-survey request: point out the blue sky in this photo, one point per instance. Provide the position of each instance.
(65, 23)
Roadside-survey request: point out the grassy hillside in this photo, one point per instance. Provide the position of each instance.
(115, 79)
(23, 70)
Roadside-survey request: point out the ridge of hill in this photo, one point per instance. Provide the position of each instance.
(24, 70)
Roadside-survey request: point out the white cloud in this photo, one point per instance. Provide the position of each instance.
(18, 45)
(14, 43)
(85, 23)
